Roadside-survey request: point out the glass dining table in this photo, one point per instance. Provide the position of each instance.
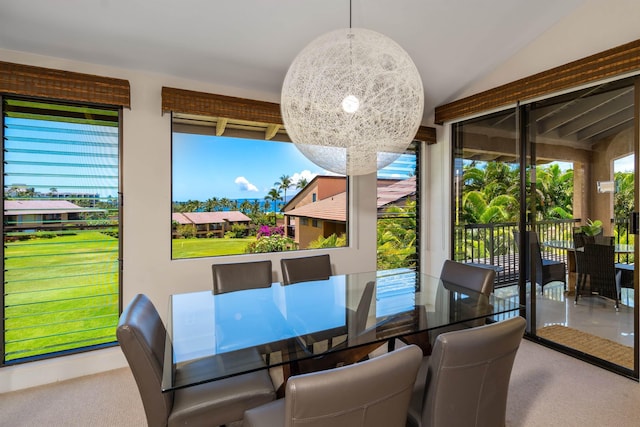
(312, 325)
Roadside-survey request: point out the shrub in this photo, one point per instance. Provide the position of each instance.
(271, 243)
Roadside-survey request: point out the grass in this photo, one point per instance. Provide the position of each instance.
(61, 293)
(196, 248)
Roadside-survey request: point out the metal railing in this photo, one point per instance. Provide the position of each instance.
(494, 245)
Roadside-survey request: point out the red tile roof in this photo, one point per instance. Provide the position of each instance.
(209, 217)
(30, 207)
(392, 193)
(335, 208)
(332, 208)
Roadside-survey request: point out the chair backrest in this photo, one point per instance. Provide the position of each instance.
(468, 276)
(600, 266)
(531, 241)
(294, 270)
(364, 306)
(579, 240)
(468, 375)
(240, 276)
(373, 393)
(142, 338)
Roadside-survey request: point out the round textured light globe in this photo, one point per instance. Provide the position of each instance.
(352, 101)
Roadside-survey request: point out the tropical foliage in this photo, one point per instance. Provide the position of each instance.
(332, 241)
(490, 193)
(396, 237)
(271, 239)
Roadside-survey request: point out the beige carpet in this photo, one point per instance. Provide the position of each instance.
(590, 344)
(547, 389)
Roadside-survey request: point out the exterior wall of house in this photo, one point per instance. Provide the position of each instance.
(322, 188)
(306, 232)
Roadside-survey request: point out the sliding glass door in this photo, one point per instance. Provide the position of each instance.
(544, 194)
(582, 146)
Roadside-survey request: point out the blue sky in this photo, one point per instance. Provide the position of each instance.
(71, 157)
(208, 166)
(236, 168)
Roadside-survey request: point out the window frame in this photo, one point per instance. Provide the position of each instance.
(67, 102)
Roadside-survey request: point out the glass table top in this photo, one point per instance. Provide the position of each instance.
(211, 337)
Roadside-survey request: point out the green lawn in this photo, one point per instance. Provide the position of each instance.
(195, 248)
(60, 293)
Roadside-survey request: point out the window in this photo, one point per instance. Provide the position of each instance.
(61, 227)
(244, 194)
(398, 212)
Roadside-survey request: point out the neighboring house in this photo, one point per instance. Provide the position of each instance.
(396, 193)
(320, 209)
(207, 224)
(42, 214)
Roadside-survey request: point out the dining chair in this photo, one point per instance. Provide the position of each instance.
(600, 267)
(240, 276)
(373, 393)
(294, 270)
(465, 381)
(142, 338)
(579, 240)
(470, 277)
(546, 270)
(458, 277)
(345, 352)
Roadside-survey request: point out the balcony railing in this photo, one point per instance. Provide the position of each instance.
(494, 244)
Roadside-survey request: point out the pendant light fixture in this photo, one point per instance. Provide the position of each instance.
(352, 101)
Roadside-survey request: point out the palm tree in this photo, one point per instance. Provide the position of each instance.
(255, 207)
(284, 183)
(225, 203)
(245, 206)
(302, 182)
(273, 196)
(554, 192)
(211, 205)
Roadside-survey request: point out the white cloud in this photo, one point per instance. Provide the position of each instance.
(244, 184)
(306, 174)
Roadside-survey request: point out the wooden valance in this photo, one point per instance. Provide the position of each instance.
(39, 82)
(212, 105)
(610, 63)
(426, 134)
(208, 104)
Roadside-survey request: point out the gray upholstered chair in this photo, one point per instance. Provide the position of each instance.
(477, 279)
(294, 270)
(142, 337)
(465, 381)
(461, 277)
(240, 276)
(357, 329)
(374, 393)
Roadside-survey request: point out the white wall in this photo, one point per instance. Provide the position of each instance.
(148, 267)
(596, 26)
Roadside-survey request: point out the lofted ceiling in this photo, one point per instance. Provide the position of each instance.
(249, 44)
(577, 120)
